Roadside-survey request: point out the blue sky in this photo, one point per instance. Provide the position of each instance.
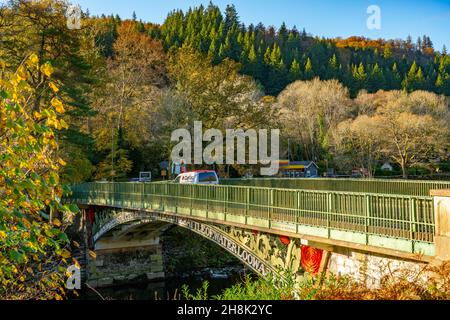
(328, 18)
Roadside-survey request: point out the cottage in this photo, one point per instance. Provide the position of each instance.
(299, 169)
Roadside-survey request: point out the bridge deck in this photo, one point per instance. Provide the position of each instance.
(398, 222)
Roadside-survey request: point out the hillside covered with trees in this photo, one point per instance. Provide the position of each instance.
(127, 84)
(279, 56)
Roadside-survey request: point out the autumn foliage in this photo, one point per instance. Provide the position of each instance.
(33, 247)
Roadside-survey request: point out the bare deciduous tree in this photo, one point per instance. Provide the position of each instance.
(311, 110)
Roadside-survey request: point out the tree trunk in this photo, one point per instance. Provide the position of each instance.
(405, 171)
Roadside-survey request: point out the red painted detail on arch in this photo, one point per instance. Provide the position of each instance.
(311, 259)
(285, 240)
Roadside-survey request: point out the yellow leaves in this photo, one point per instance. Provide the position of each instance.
(27, 162)
(22, 142)
(26, 223)
(50, 122)
(2, 64)
(62, 162)
(42, 240)
(20, 75)
(65, 254)
(54, 146)
(32, 60)
(75, 244)
(58, 105)
(56, 222)
(37, 115)
(37, 183)
(54, 88)
(47, 69)
(31, 246)
(59, 192)
(9, 163)
(92, 254)
(63, 124)
(76, 263)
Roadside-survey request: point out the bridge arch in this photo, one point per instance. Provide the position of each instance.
(263, 253)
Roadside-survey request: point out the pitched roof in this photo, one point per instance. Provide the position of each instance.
(303, 163)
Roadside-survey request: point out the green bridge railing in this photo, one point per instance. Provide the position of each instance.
(399, 222)
(384, 186)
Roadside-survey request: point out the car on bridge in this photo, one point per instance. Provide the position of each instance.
(198, 177)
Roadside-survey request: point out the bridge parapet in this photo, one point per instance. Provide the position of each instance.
(383, 186)
(380, 223)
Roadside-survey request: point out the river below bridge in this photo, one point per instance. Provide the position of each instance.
(170, 288)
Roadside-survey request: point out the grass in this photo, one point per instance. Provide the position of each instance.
(431, 283)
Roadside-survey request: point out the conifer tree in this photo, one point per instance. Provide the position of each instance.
(376, 79)
(333, 67)
(294, 71)
(387, 51)
(231, 17)
(414, 78)
(309, 73)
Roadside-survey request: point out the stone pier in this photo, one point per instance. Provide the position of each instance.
(134, 256)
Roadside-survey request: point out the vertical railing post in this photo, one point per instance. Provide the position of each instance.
(329, 208)
(247, 207)
(367, 218)
(412, 223)
(207, 201)
(191, 191)
(142, 197)
(270, 208)
(164, 198)
(177, 197)
(122, 198)
(226, 202)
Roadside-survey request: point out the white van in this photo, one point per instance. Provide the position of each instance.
(198, 177)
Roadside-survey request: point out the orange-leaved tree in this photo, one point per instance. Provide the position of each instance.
(33, 246)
